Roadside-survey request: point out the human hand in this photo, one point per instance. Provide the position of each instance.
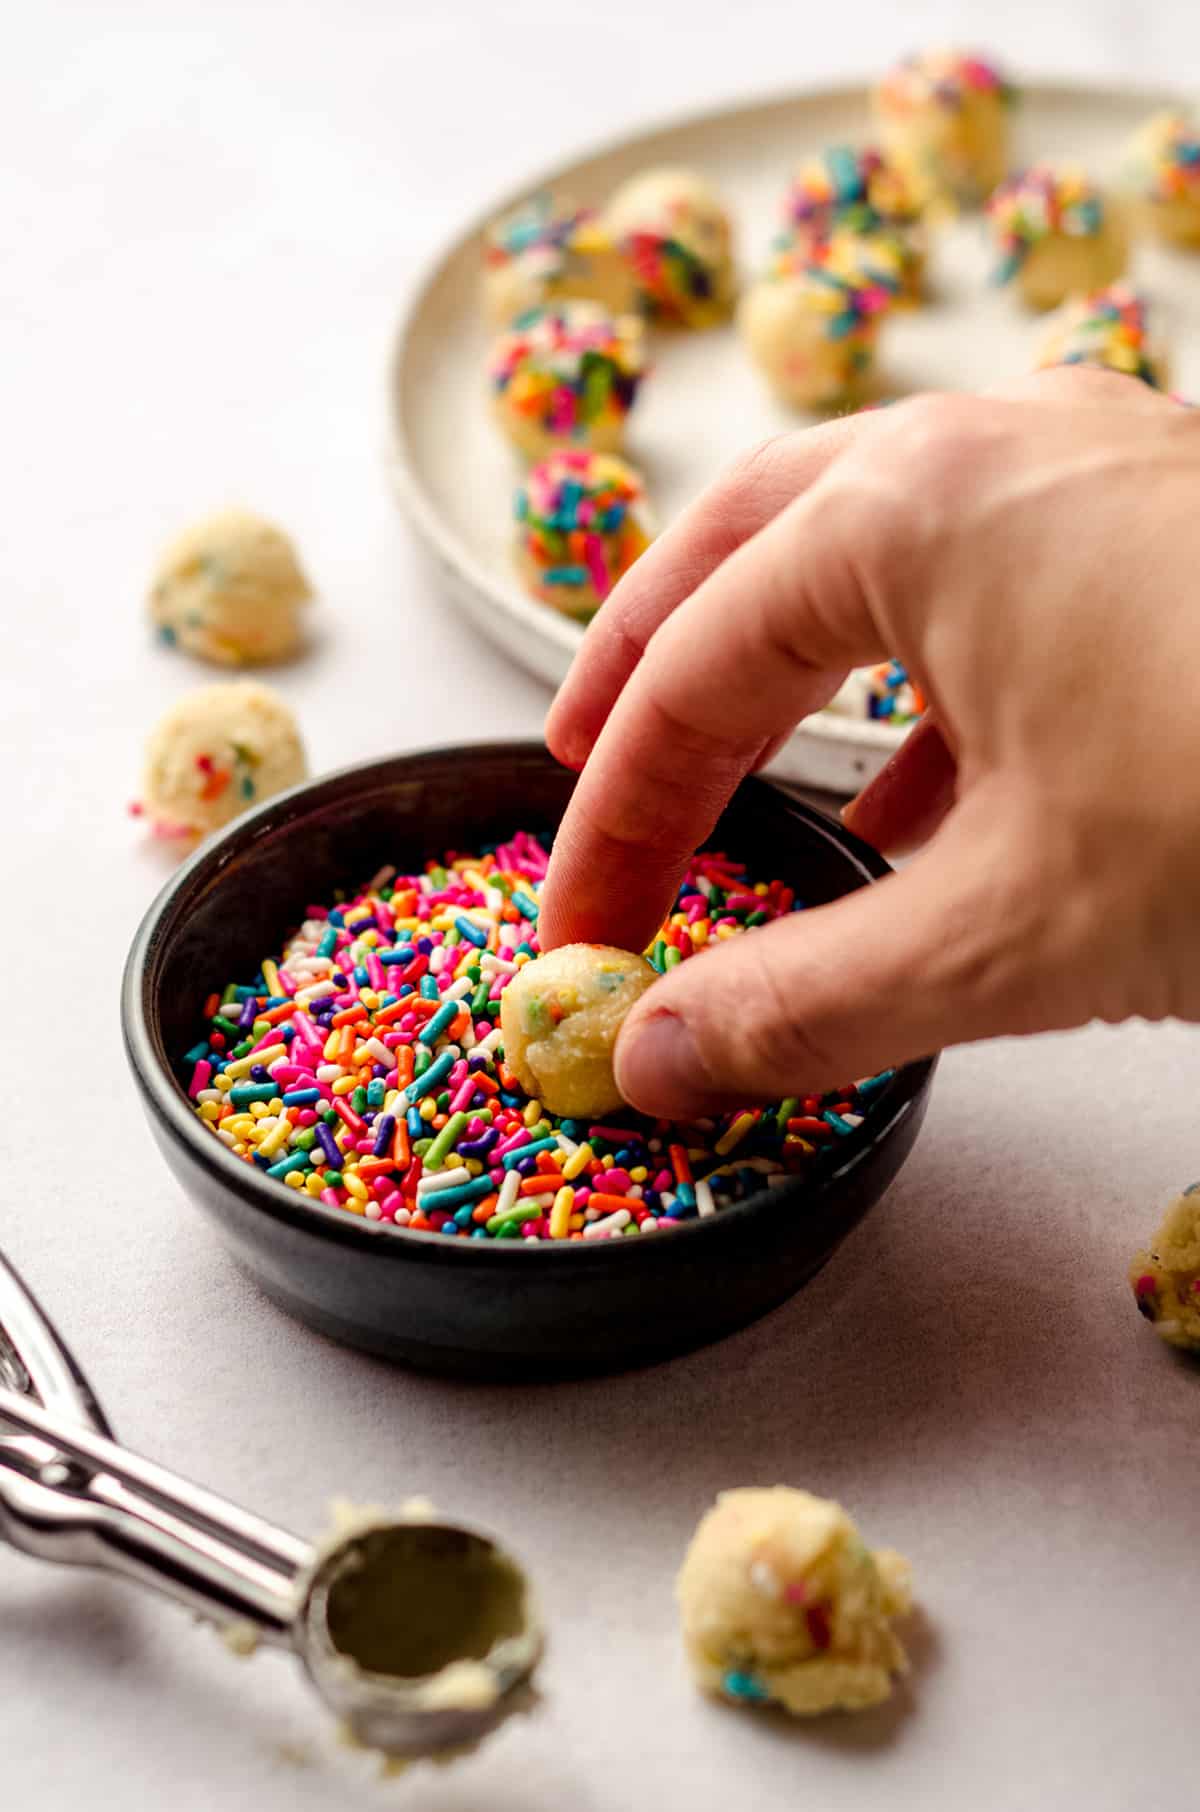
(1032, 556)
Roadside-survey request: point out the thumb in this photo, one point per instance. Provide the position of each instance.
(974, 939)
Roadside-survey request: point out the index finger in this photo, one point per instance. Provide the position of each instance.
(753, 492)
(766, 639)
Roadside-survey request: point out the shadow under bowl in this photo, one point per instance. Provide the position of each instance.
(478, 1308)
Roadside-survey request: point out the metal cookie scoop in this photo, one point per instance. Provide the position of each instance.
(421, 1636)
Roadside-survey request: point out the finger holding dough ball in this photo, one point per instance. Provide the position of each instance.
(1166, 1277)
(552, 251)
(1056, 234)
(560, 1016)
(582, 521)
(566, 376)
(231, 589)
(674, 230)
(782, 1603)
(216, 753)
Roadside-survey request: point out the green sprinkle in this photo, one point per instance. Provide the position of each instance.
(452, 1131)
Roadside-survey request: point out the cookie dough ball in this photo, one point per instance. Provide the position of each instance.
(1166, 1277)
(1109, 329)
(861, 193)
(1056, 234)
(230, 589)
(782, 1603)
(675, 233)
(811, 326)
(582, 521)
(943, 117)
(547, 251)
(1164, 170)
(566, 376)
(216, 753)
(560, 1016)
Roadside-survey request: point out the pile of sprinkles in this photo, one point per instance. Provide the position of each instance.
(846, 285)
(1040, 201)
(672, 277)
(364, 1068)
(944, 77)
(572, 369)
(850, 186)
(542, 236)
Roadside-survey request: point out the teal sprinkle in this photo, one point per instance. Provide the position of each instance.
(528, 908)
(566, 575)
(167, 635)
(744, 1686)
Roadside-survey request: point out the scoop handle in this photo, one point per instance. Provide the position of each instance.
(70, 1494)
(34, 1356)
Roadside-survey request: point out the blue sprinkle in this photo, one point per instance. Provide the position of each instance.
(744, 1686)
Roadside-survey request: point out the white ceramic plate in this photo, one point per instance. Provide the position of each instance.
(703, 402)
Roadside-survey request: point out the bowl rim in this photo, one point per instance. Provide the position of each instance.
(165, 1100)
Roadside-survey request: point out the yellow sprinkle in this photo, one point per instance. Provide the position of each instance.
(210, 1110)
(276, 1139)
(639, 1173)
(737, 1132)
(521, 958)
(294, 1180)
(760, 888)
(369, 998)
(345, 1085)
(260, 1109)
(332, 1044)
(271, 977)
(407, 924)
(560, 1214)
(222, 1082)
(726, 931)
(532, 1114)
(313, 1183)
(360, 1056)
(352, 1206)
(390, 1099)
(575, 1223)
(355, 1185)
(579, 1160)
(474, 1167)
(235, 1123)
(699, 931)
(428, 1108)
(244, 1065)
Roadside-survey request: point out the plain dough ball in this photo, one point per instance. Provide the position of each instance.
(1109, 330)
(216, 753)
(1164, 168)
(552, 251)
(781, 1602)
(582, 521)
(1057, 234)
(1166, 1277)
(560, 1016)
(811, 327)
(675, 232)
(230, 589)
(943, 117)
(566, 376)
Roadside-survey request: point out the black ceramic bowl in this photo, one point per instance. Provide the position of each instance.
(472, 1306)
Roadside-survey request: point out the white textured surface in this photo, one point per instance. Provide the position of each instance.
(210, 211)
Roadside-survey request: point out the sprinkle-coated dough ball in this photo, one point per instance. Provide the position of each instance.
(1164, 170)
(230, 589)
(1057, 234)
(217, 752)
(811, 327)
(782, 1603)
(1110, 330)
(547, 251)
(566, 376)
(560, 1015)
(582, 521)
(943, 117)
(857, 192)
(1166, 1277)
(674, 230)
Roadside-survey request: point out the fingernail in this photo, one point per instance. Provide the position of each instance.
(658, 1066)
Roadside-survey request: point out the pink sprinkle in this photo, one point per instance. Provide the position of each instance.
(200, 1076)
